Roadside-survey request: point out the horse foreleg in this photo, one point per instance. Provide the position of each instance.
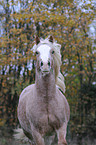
(37, 136)
(61, 133)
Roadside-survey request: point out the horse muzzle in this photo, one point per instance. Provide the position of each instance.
(45, 72)
(45, 67)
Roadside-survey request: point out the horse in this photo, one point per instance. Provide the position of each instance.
(43, 109)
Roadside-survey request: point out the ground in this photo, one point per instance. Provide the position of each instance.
(6, 138)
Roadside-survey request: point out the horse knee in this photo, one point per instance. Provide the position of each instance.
(62, 143)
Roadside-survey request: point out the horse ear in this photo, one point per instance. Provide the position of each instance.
(51, 39)
(37, 40)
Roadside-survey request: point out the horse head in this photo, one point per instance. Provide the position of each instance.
(46, 55)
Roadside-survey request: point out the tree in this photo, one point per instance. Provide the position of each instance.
(69, 24)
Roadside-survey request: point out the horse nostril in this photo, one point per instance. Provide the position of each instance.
(41, 63)
(49, 63)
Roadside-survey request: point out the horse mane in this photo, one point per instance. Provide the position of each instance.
(57, 59)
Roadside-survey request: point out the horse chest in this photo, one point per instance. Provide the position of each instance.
(45, 116)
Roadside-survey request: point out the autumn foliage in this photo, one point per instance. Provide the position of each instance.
(69, 24)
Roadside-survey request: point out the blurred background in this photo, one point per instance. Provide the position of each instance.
(73, 25)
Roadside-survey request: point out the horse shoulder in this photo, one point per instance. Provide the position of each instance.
(24, 97)
(63, 102)
(28, 90)
(21, 111)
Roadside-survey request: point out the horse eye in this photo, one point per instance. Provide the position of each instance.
(49, 63)
(53, 52)
(37, 52)
(41, 63)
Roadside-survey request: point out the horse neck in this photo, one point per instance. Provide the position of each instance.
(45, 86)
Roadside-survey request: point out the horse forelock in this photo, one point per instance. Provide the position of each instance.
(57, 60)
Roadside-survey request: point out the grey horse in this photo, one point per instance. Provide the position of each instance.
(43, 109)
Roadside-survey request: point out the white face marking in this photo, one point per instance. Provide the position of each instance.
(44, 52)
